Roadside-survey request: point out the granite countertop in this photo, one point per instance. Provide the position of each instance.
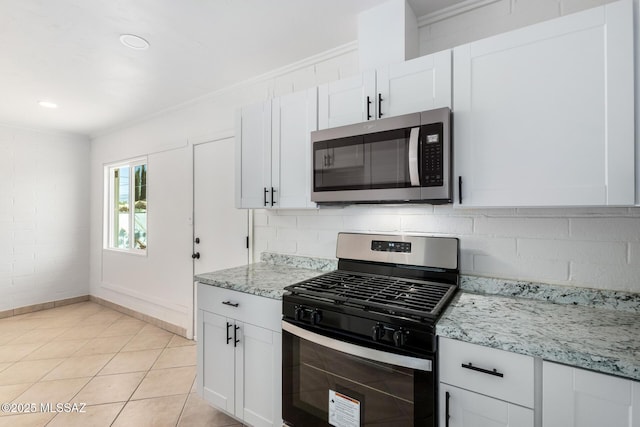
(591, 329)
(269, 277)
(587, 336)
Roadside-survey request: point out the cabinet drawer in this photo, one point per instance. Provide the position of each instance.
(262, 311)
(471, 367)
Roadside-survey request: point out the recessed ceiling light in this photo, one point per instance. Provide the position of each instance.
(134, 42)
(48, 104)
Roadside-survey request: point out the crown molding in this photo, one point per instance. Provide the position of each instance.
(295, 66)
(453, 10)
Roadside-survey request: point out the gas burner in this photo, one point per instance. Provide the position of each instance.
(401, 297)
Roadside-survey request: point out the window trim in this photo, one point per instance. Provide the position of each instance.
(109, 192)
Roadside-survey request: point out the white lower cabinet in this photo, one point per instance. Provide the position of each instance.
(240, 363)
(573, 397)
(484, 387)
(469, 409)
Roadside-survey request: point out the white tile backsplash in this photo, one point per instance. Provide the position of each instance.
(522, 227)
(614, 253)
(611, 229)
(578, 246)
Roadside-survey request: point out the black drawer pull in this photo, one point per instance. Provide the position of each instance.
(232, 304)
(484, 371)
(228, 337)
(446, 411)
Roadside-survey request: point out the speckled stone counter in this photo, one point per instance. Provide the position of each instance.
(269, 277)
(593, 331)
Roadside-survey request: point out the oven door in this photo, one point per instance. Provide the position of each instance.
(333, 382)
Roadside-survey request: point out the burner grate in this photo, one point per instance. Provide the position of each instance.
(381, 293)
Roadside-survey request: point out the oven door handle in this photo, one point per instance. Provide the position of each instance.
(357, 350)
(414, 175)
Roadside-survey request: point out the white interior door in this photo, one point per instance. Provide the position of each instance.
(220, 229)
(218, 226)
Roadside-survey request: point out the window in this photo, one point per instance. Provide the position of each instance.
(127, 206)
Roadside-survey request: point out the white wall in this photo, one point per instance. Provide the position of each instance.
(44, 222)
(160, 283)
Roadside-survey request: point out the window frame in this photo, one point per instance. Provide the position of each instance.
(109, 199)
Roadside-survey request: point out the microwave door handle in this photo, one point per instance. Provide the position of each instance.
(414, 175)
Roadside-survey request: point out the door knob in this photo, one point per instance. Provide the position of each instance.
(196, 255)
(197, 240)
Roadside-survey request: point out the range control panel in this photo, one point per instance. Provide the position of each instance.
(384, 246)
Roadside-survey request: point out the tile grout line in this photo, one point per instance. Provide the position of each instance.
(68, 315)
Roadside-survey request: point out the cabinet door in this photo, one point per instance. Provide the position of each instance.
(216, 376)
(420, 84)
(544, 114)
(347, 101)
(253, 155)
(294, 117)
(468, 409)
(259, 376)
(577, 398)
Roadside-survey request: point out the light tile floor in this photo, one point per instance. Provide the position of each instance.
(127, 372)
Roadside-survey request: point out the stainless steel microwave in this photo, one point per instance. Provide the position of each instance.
(398, 159)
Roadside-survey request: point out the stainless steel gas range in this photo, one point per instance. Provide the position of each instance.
(359, 343)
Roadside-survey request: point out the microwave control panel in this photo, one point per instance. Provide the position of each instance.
(432, 144)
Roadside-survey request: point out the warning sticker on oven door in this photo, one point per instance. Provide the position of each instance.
(344, 411)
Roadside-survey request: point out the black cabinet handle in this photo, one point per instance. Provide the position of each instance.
(379, 105)
(265, 196)
(460, 189)
(196, 255)
(369, 108)
(232, 304)
(228, 337)
(484, 371)
(272, 191)
(446, 409)
(235, 336)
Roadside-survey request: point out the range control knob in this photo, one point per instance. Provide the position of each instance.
(400, 337)
(377, 332)
(298, 313)
(316, 317)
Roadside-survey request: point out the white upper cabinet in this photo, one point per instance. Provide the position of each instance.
(578, 398)
(273, 152)
(253, 155)
(347, 101)
(420, 84)
(294, 116)
(544, 115)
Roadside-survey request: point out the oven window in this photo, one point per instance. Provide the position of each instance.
(387, 396)
(374, 161)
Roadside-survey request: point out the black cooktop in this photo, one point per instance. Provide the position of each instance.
(388, 294)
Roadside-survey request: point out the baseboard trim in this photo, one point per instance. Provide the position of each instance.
(178, 330)
(42, 306)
